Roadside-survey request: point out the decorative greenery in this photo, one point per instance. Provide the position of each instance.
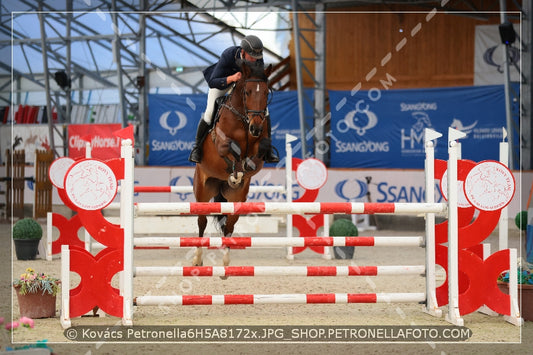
(27, 228)
(32, 282)
(521, 220)
(525, 276)
(343, 227)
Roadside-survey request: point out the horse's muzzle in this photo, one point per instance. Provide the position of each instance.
(256, 130)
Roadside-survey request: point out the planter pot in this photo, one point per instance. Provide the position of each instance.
(525, 299)
(343, 252)
(26, 249)
(36, 305)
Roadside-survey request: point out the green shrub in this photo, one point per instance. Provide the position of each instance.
(343, 228)
(521, 220)
(27, 228)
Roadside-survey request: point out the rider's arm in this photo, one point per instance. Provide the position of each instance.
(223, 73)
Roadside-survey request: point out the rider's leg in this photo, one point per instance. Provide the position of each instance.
(203, 125)
(270, 157)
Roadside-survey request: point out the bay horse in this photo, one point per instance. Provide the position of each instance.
(234, 149)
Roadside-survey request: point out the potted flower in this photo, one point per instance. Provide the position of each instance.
(27, 235)
(525, 290)
(36, 294)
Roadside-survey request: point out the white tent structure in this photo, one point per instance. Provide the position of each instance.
(67, 55)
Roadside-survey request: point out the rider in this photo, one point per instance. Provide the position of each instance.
(219, 77)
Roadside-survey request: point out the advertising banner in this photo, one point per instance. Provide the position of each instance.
(27, 137)
(174, 119)
(489, 57)
(172, 127)
(104, 144)
(385, 129)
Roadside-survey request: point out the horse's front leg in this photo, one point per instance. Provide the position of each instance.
(202, 223)
(228, 231)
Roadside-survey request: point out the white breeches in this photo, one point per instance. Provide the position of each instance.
(212, 95)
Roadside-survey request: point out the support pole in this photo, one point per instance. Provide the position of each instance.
(143, 88)
(44, 51)
(503, 226)
(299, 78)
(321, 146)
(507, 79)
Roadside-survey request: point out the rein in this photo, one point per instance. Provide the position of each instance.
(245, 117)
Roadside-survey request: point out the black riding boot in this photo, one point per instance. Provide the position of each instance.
(201, 133)
(270, 157)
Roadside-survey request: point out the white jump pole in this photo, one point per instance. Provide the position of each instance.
(288, 178)
(49, 239)
(126, 221)
(65, 288)
(453, 315)
(87, 237)
(514, 317)
(431, 296)
(327, 250)
(503, 226)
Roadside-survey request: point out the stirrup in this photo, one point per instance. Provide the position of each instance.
(270, 157)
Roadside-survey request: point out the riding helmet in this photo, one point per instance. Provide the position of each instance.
(253, 46)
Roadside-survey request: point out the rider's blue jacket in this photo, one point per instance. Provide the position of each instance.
(228, 64)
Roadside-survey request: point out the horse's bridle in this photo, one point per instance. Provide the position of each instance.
(245, 117)
(248, 112)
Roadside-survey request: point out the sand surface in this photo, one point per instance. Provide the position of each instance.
(490, 334)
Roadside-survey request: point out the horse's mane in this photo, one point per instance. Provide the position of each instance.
(257, 69)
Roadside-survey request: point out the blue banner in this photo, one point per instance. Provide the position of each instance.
(172, 127)
(174, 118)
(285, 120)
(385, 128)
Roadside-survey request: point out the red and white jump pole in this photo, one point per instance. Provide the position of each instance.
(247, 242)
(320, 298)
(278, 270)
(240, 208)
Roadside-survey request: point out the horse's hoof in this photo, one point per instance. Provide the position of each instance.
(196, 262)
(234, 181)
(223, 277)
(226, 259)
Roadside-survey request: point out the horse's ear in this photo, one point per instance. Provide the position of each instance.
(268, 70)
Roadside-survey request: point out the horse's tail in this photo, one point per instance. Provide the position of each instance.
(220, 218)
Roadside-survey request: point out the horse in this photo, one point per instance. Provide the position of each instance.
(234, 149)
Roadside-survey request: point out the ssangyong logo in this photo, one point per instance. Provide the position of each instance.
(351, 190)
(358, 120)
(181, 121)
